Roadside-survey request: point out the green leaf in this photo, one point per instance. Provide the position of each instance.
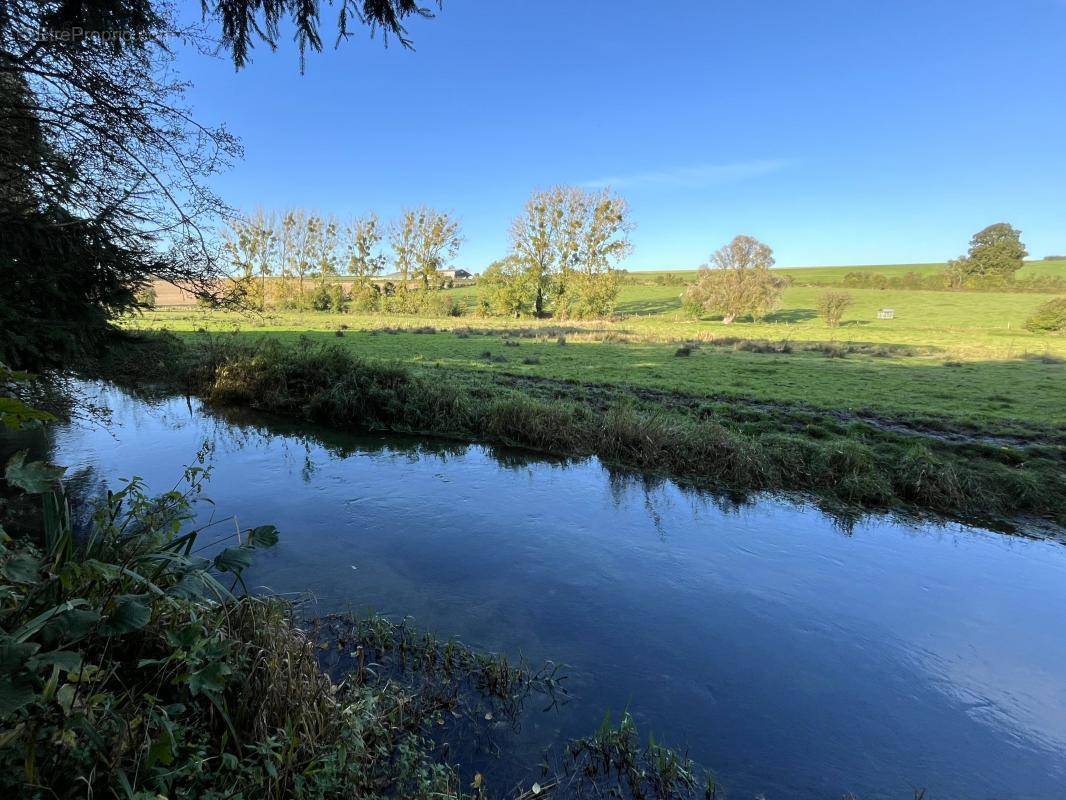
(69, 626)
(15, 655)
(65, 696)
(22, 568)
(263, 536)
(28, 629)
(191, 586)
(161, 752)
(131, 613)
(35, 477)
(210, 679)
(14, 695)
(66, 660)
(233, 559)
(15, 415)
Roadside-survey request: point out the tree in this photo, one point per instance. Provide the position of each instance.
(362, 240)
(300, 231)
(104, 172)
(324, 246)
(995, 254)
(251, 243)
(569, 241)
(832, 305)
(424, 240)
(590, 285)
(737, 282)
(244, 22)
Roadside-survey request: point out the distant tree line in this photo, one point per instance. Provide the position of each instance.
(292, 260)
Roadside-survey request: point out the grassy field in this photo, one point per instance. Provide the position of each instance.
(828, 275)
(962, 357)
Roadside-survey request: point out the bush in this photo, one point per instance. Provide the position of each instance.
(1049, 318)
(440, 304)
(146, 297)
(364, 297)
(832, 305)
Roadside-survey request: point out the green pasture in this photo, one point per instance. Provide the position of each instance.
(829, 275)
(963, 356)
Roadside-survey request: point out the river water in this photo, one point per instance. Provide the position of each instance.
(794, 658)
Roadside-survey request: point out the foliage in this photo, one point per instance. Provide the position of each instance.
(503, 288)
(832, 305)
(589, 295)
(612, 762)
(244, 22)
(63, 279)
(297, 246)
(1049, 317)
(103, 172)
(146, 298)
(424, 240)
(565, 245)
(362, 258)
(739, 283)
(995, 254)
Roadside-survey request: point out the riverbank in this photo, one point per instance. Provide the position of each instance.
(135, 665)
(848, 463)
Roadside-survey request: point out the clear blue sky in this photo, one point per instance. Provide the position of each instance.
(838, 131)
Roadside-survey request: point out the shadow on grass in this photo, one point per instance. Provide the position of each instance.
(792, 315)
(648, 307)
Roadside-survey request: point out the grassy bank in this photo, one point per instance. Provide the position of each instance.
(847, 461)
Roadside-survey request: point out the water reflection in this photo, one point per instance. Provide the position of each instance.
(796, 661)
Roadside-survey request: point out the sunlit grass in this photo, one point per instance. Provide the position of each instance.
(962, 355)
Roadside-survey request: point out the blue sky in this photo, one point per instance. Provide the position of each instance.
(838, 131)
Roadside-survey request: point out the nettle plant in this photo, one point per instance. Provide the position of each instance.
(116, 659)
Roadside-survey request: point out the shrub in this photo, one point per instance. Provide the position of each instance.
(1049, 317)
(363, 297)
(831, 306)
(146, 297)
(589, 296)
(328, 297)
(440, 304)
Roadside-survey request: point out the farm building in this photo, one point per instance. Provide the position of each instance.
(886, 313)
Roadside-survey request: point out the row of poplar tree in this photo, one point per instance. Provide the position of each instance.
(565, 247)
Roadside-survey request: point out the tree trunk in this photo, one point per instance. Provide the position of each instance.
(538, 305)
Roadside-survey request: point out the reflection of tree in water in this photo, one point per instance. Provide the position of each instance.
(238, 428)
(659, 493)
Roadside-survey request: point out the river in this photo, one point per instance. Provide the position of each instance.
(793, 657)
